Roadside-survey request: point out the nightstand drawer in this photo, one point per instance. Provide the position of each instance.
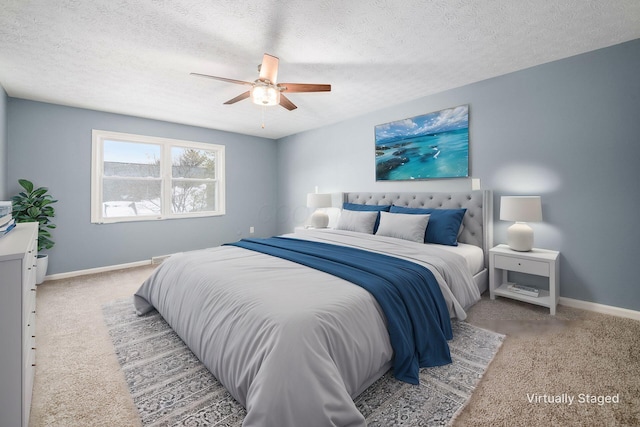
(521, 265)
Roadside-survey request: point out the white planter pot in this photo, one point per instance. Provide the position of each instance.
(42, 262)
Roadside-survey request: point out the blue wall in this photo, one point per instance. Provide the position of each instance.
(3, 144)
(566, 130)
(51, 146)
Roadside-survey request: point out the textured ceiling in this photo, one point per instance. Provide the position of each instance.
(134, 56)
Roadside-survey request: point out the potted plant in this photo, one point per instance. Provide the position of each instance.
(31, 205)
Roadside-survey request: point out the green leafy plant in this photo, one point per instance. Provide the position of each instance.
(34, 205)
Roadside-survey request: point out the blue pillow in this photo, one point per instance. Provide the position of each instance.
(359, 207)
(443, 225)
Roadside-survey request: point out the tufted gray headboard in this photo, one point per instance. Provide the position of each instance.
(478, 220)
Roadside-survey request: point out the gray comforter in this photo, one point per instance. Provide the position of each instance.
(292, 344)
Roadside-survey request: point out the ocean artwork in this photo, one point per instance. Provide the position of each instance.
(434, 145)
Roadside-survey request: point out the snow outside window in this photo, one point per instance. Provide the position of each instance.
(140, 178)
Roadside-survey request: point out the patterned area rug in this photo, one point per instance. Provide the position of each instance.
(171, 387)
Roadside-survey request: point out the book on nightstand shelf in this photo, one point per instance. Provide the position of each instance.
(521, 289)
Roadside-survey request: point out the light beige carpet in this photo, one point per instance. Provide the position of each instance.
(576, 353)
(78, 379)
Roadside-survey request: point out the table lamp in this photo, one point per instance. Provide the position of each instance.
(521, 209)
(317, 201)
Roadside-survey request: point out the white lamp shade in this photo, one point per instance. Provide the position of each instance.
(520, 208)
(318, 200)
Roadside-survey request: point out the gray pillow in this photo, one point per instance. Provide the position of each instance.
(403, 226)
(360, 221)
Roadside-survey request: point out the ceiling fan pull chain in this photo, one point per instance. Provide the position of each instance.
(263, 108)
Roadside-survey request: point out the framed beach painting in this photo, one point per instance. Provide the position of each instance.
(430, 146)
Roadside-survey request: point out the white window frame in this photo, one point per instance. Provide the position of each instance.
(97, 174)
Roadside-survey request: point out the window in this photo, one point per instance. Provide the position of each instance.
(141, 178)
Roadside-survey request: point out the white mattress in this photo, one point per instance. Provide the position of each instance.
(473, 255)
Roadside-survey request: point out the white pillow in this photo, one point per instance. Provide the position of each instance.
(403, 226)
(360, 221)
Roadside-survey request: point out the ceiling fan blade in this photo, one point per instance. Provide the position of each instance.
(240, 97)
(223, 79)
(269, 68)
(284, 101)
(304, 87)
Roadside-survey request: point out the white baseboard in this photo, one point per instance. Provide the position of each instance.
(600, 308)
(96, 270)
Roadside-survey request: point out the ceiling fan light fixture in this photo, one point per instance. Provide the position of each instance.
(264, 91)
(265, 94)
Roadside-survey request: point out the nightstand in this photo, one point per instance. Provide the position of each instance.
(539, 262)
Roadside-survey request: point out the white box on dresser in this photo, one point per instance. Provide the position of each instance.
(18, 252)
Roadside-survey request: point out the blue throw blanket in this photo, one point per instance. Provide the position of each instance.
(417, 316)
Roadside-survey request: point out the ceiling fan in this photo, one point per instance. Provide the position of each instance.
(265, 91)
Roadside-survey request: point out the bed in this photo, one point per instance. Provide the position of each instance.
(295, 342)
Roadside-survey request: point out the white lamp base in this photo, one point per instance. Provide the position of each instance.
(520, 237)
(319, 219)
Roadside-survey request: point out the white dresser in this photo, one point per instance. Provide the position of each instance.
(18, 251)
